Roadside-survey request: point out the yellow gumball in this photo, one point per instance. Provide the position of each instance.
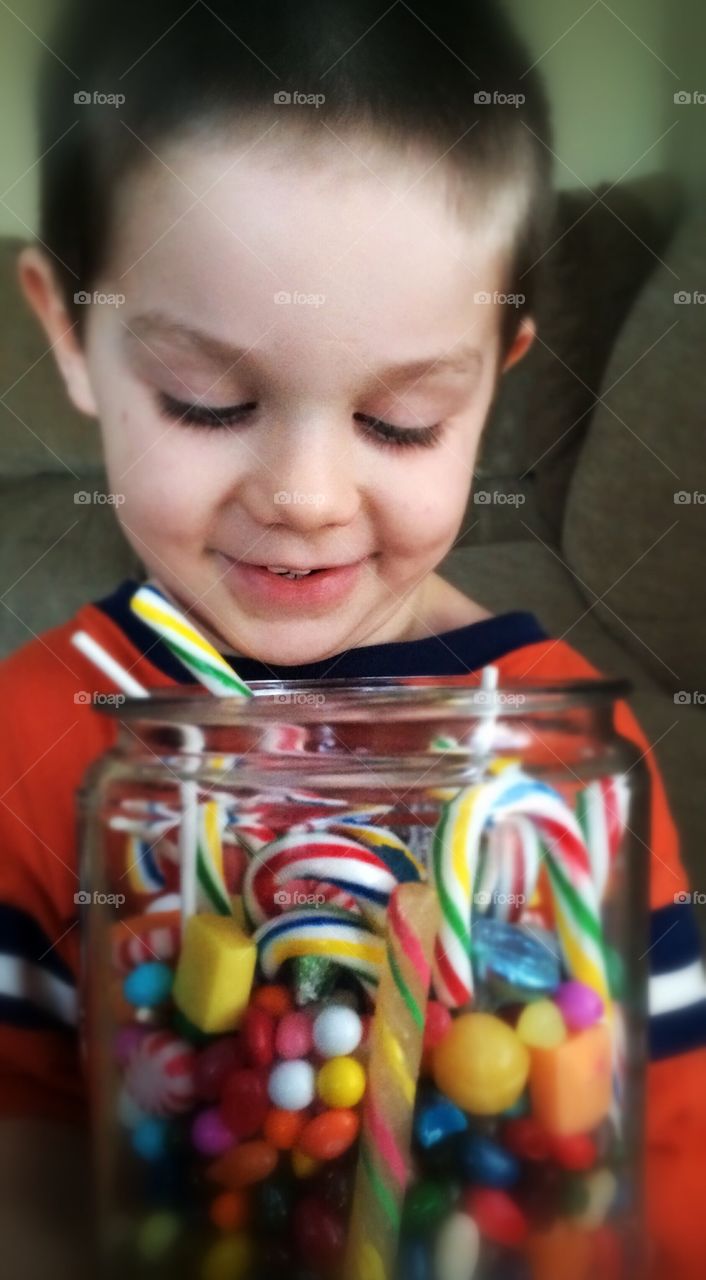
(304, 1166)
(481, 1064)
(229, 1259)
(341, 1082)
(541, 1026)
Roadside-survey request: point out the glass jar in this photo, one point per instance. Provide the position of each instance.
(364, 993)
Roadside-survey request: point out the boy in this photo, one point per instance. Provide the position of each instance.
(305, 212)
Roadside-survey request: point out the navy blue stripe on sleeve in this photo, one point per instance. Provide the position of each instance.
(677, 983)
(37, 989)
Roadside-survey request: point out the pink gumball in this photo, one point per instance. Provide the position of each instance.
(209, 1134)
(295, 1036)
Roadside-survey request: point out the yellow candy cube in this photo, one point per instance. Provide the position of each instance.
(215, 973)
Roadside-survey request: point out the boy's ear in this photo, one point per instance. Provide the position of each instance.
(526, 334)
(39, 284)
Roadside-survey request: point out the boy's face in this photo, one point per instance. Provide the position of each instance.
(315, 298)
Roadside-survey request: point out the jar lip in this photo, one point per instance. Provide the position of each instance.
(427, 697)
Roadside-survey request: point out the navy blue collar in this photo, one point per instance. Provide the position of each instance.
(454, 653)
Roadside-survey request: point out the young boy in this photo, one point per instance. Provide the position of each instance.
(305, 211)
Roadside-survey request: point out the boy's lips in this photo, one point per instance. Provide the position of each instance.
(324, 587)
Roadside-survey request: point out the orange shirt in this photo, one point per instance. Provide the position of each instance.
(51, 735)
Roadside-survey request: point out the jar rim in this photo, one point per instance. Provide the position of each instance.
(340, 698)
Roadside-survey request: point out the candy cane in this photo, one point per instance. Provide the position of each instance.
(336, 935)
(602, 810)
(188, 644)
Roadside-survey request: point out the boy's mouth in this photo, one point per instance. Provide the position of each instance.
(297, 586)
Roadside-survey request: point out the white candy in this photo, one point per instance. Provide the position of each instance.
(292, 1085)
(457, 1248)
(337, 1031)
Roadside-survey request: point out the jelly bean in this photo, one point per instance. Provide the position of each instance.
(214, 1064)
(244, 1102)
(294, 1036)
(438, 1021)
(149, 985)
(244, 1165)
(274, 999)
(541, 1026)
(526, 1138)
(341, 1082)
(601, 1189)
(519, 963)
(157, 1234)
(330, 1134)
(150, 1137)
(292, 1085)
(426, 1205)
(228, 1259)
(437, 1120)
(282, 1128)
(338, 1031)
(481, 1064)
(580, 1005)
(457, 1248)
(210, 1134)
(304, 1166)
(230, 1211)
(258, 1032)
(577, 1152)
(498, 1217)
(482, 1160)
(319, 1233)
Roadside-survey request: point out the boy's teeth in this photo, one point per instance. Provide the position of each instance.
(289, 573)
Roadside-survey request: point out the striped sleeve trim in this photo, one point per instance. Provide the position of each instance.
(677, 983)
(37, 990)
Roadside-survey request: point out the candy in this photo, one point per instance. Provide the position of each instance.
(150, 1137)
(244, 1165)
(258, 1031)
(294, 1037)
(426, 1205)
(339, 935)
(577, 1152)
(329, 1135)
(215, 973)
(437, 1023)
(517, 964)
(601, 810)
(230, 1211)
(214, 1064)
(282, 1129)
(438, 1120)
(160, 1074)
(481, 1064)
(541, 1026)
(580, 1005)
(341, 1082)
(188, 645)
(143, 871)
(125, 1043)
(292, 1085)
(314, 978)
(136, 939)
(482, 1160)
(526, 1138)
(209, 1134)
(570, 1085)
(457, 1248)
(149, 985)
(274, 999)
(601, 1189)
(210, 870)
(304, 1166)
(559, 1252)
(497, 1215)
(245, 1103)
(337, 1031)
(228, 1259)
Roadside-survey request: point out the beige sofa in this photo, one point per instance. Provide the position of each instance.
(590, 439)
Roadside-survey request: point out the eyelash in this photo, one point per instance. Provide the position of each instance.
(384, 434)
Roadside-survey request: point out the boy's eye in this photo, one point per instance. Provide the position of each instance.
(203, 415)
(386, 434)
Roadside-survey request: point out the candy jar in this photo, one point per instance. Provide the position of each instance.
(363, 993)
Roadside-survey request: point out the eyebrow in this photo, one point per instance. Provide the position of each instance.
(154, 324)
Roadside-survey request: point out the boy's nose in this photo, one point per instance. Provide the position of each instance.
(310, 482)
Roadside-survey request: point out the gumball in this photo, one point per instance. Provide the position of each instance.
(244, 1165)
(319, 1234)
(526, 1138)
(294, 1036)
(160, 1074)
(149, 985)
(244, 1102)
(304, 1166)
(330, 1134)
(258, 1032)
(274, 999)
(338, 1031)
(283, 1128)
(541, 1026)
(228, 1259)
(230, 1211)
(481, 1064)
(214, 1064)
(150, 1137)
(426, 1205)
(457, 1248)
(577, 1152)
(498, 1217)
(292, 1085)
(341, 1082)
(579, 1004)
(484, 1161)
(210, 1134)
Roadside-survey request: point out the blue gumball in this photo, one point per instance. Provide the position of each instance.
(149, 985)
(150, 1138)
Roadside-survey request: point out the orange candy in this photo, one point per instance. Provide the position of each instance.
(244, 1165)
(328, 1135)
(282, 1129)
(230, 1211)
(560, 1252)
(571, 1085)
(273, 999)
